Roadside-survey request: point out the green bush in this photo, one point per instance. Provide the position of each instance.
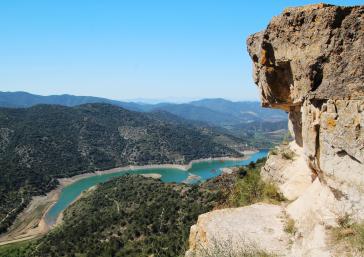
(250, 188)
(290, 227)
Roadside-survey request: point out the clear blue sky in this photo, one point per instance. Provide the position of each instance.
(133, 49)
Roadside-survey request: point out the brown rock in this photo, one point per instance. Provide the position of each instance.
(310, 62)
(314, 51)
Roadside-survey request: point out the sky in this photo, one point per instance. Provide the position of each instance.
(133, 49)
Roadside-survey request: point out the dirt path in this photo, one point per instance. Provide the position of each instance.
(13, 210)
(31, 223)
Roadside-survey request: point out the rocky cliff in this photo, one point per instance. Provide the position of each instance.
(310, 62)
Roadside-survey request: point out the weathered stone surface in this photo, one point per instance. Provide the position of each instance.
(314, 211)
(313, 51)
(309, 62)
(292, 176)
(333, 136)
(258, 225)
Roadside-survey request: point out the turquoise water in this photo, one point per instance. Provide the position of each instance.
(205, 170)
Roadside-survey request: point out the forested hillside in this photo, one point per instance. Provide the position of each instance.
(131, 216)
(134, 216)
(45, 142)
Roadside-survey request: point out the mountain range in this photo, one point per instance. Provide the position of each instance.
(216, 112)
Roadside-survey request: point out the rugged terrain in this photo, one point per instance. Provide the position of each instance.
(127, 216)
(309, 62)
(258, 127)
(140, 216)
(46, 142)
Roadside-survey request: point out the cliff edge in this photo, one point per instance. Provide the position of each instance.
(309, 62)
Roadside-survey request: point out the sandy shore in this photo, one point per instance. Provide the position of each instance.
(152, 175)
(31, 222)
(250, 152)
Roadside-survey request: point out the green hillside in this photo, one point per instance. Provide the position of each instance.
(45, 142)
(130, 216)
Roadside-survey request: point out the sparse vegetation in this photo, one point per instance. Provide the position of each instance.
(349, 233)
(228, 248)
(250, 188)
(274, 151)
(288, 154)
(290, 226)
(284, 151)
(286, 138)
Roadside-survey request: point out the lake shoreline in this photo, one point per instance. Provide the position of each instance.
(185, 167)
(51, 198)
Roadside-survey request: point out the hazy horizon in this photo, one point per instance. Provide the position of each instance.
(177, 100)
(131, 50)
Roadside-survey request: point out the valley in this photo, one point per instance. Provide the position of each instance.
(131, 129)
(40, 144)
(132, 215)
(47, 211)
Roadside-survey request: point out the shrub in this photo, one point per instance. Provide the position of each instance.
(288, 154)
(350, 233)
(250, 189)
(274, 151)
(290, 227)
(271, 193)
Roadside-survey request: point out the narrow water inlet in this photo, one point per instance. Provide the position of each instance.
(204, 169)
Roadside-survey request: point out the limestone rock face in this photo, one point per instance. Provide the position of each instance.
(309, 62)
(292, 176)
(259, 225)
(313, 52)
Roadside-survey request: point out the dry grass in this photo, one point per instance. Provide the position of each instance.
(290, 227)
(288, 154)
(350, 234)
(229, 249)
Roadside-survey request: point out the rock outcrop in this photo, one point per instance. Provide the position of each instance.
(226, 227)
(310, 62)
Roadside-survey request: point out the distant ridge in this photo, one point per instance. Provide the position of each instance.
(24, 99)
(216, 112)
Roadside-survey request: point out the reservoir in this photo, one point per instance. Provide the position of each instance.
(202, 170)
